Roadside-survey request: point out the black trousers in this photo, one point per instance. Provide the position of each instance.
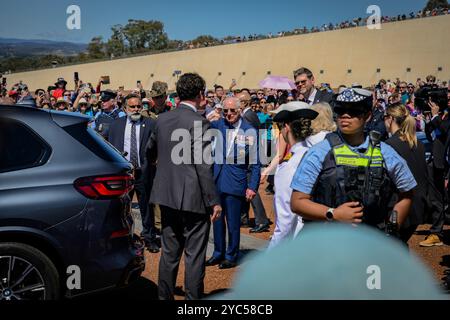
(258, 209)
(438, 201)
(146, 209)
(188, 232)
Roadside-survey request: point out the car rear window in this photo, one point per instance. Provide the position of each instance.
(20, 147)
(94, 142)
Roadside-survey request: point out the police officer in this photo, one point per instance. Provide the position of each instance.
(109, 112)
(294, 123)
(349, 176)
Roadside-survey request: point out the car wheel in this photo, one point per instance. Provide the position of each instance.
(26, 274)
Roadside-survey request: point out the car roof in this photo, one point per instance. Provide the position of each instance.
(62, 118)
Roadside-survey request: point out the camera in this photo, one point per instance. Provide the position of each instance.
(427, 93)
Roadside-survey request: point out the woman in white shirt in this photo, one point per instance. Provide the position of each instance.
(302, 134)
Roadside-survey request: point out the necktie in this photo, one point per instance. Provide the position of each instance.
(133, 152)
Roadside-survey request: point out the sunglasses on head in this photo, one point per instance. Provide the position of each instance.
(232, 111)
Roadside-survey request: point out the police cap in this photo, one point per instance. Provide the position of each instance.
(107, 95)
(359, 100)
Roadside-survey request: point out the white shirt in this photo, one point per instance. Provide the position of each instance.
(127, 139)
(312, 96)
(231, 136)
(289, 224)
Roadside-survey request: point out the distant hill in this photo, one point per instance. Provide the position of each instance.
(22, 48)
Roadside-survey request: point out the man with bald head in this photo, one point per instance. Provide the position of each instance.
(247, 113)
(235, 155)
(261, 221)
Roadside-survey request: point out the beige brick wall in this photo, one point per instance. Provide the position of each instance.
(422, 45)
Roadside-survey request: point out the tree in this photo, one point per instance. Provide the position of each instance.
(143, 35)
(205, 39)
(436, 4)
(116, 44)
(96, 48)
(175, 44)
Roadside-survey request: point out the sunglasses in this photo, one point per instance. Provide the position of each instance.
(351, 112)
(232, 111)
(136, 106)
(210, 97)
(300, 82)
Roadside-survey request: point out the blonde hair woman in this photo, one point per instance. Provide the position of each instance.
(402, 128)
(322, 125)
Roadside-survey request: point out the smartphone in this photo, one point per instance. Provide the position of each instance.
(4, 82)
(75, 76)
(138, 82)
(106, 80)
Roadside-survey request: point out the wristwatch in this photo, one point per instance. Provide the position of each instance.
(329, 215)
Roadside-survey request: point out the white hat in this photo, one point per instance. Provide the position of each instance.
(82, 100)
(294, 110)
(291, 106)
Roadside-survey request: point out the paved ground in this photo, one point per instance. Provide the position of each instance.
(217, 281)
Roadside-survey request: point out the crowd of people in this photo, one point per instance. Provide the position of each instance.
(356, 22)
(377, 155)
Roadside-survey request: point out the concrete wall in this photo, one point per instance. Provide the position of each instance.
(422, 45)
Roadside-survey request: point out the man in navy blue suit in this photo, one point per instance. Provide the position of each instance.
(236, 154)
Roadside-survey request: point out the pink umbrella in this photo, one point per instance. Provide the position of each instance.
(277, 82)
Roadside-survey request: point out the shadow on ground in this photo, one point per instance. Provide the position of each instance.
(141, 289)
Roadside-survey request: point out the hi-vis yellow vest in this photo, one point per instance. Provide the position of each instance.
(344, 156)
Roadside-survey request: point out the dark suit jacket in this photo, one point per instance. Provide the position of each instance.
(185, 186)
(117, 134)
(252, 118)
(439, 143)
(323, 96)
(415, 158)
(232, 176)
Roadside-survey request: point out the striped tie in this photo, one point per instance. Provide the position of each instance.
(133, 152)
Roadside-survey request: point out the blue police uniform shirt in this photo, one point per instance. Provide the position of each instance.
(309, 169)
(121, 114)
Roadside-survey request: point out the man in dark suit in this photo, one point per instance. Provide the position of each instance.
(438, 131)
(261, 220)
(130, 135)
(236, 153)
(184, 189)
(304, 80)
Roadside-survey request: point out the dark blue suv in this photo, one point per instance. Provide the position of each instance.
(65, 220)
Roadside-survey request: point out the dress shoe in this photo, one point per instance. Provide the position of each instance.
(226, 264)
(152, 247)
(213, 261)
(260, 228)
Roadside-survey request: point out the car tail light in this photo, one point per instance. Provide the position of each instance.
(120, 234)
(105, 187)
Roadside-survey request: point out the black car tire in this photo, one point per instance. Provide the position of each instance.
(38, 260)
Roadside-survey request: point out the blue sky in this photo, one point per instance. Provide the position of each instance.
(183, 19)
